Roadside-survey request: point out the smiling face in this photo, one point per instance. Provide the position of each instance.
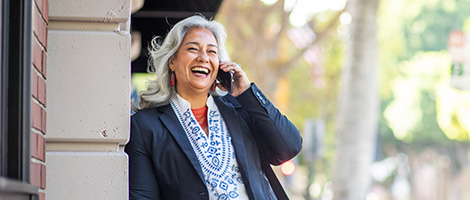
(196, 62)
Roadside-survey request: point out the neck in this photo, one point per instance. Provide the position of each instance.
(197, 99)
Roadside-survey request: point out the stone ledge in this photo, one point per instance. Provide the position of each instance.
(90, 10)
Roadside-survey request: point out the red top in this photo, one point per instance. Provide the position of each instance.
(201, 117)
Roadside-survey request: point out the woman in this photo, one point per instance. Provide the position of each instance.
(191, 140)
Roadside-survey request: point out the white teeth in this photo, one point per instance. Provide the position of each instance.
(200, 69)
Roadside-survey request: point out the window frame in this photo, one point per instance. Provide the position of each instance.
(15, 100)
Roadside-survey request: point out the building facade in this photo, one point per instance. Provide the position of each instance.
(77, 75)
(65, 83)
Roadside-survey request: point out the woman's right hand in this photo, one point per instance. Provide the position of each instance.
(240, 81)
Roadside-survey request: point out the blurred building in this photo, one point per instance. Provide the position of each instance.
(65, 91)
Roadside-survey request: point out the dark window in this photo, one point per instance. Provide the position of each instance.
(15, 100)
(1, 85)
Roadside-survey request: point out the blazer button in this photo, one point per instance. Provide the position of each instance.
(202, 193)
(260, 97)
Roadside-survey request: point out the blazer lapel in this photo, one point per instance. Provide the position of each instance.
(231, 120)
(170, 120)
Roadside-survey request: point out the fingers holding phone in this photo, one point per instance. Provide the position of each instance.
(226, 80)
(240, 80)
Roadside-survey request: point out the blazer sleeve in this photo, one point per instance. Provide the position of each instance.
(142, 180)
(276, 135)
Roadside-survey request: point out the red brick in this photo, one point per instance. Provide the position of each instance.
(42, 196)
(41, 147)
(37, 56)
(35, 115)
(35, 175)
(36, 21)
(39, 5)
(38, 146)
(43, 121)
(42, 91)
(42, 33)
(43, 176)
(45, 14)
(38, 175)
(34, 84)
(39, 27)
(46, 32)
(44, 64)
(34, 145)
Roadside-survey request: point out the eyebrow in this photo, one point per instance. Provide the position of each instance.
(197, 43)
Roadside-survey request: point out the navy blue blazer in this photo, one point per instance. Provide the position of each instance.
(163, 165)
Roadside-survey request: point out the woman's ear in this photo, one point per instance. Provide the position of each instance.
(171, 63)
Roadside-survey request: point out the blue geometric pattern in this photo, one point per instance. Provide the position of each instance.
(214, 152)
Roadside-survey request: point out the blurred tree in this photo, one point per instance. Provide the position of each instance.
(421, 112)
(358, 105)
(316, 95)
(412, 113)
(429, 28)
(258, 38)
(413, 79)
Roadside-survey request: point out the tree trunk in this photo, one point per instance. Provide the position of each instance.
(358, 105)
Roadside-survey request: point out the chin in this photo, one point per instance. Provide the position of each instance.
(202, 88)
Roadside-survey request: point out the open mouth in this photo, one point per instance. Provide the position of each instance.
(200, 70)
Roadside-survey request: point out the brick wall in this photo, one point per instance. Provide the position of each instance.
(38, 91)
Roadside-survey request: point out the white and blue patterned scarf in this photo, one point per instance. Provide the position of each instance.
(214, 152)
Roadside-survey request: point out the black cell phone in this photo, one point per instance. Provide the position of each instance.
(226, 80)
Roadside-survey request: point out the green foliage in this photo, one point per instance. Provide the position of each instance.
(453, 108)
(412, 113)
(412, 81)
(429, 30)
(408, 27)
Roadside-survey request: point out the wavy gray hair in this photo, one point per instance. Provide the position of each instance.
(159, 91)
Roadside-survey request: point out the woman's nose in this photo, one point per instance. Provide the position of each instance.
(203, 57)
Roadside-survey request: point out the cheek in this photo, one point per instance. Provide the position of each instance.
(216, 64)
(215, 61)
(182, 64)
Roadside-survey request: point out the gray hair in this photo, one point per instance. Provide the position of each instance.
(159, 91)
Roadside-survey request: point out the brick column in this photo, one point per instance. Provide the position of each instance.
(38, 91)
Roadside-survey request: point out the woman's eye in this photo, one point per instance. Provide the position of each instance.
(212, 51)
(192, 49)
